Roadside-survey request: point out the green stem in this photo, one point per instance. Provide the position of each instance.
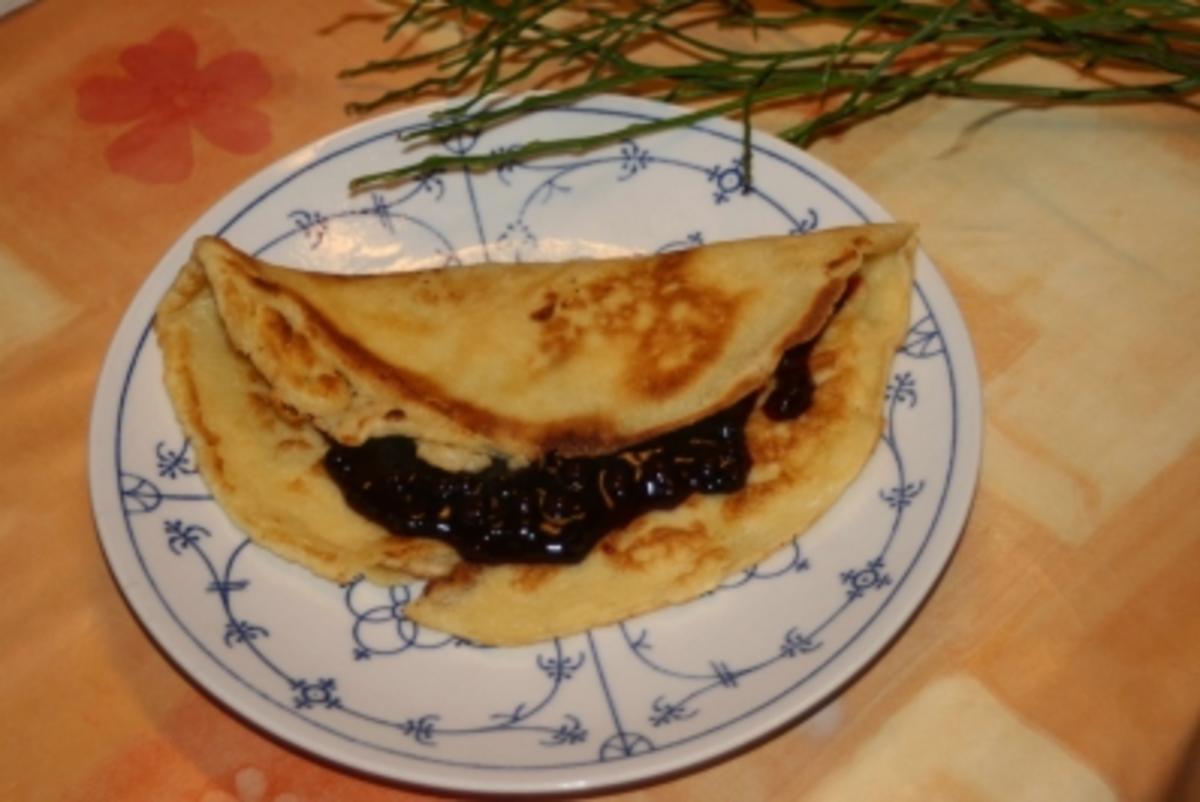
(507, 43)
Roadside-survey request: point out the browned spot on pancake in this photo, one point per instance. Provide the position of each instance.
(330, 383)
(558, 338)
(395, 415)
(531, 577)
(546, 311)
(291, 416)
(597, 292)
(282, 336)
(849, 255)
(252, 375)
(263, 407)
(853, 283)
(821, 361)
(675, 327)
(688, 327)
(292, 444)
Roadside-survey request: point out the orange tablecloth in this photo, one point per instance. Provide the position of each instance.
(1058, 659)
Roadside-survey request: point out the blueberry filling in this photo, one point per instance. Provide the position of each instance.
(556, 509)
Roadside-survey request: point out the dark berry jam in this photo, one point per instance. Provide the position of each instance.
(793, 388)
(556, 509)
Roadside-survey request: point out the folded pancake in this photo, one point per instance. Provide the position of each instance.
(271, 370)
(514, 361)
(800, 468)
(263, 462)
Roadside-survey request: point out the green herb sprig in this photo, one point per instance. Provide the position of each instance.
(886, 55)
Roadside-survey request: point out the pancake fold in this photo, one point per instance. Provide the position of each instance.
(512, 361)
(265, 364)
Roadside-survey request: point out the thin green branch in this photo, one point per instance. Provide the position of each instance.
(889, 54)
(538, 148)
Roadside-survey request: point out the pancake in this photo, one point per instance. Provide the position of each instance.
(262, 461)
(497, 364)
(800, 468)
(580, 358)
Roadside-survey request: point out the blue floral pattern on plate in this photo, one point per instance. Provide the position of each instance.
(343, 672)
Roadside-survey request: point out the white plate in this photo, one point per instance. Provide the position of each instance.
(340, 672)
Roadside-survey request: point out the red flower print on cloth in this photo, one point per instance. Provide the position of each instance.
(167, 95)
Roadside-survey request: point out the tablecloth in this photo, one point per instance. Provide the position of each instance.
(1058, 659)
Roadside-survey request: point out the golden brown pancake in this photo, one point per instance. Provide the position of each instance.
(263, 362)
(516, 360)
